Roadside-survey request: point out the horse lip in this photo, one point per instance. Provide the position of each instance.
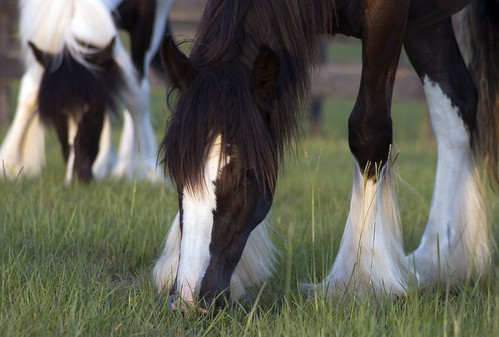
(175, 302)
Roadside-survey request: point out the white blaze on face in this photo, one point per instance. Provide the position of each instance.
(197, 224)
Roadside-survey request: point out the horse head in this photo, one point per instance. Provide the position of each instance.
(221, 155)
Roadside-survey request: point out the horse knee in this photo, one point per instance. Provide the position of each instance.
(370, 142)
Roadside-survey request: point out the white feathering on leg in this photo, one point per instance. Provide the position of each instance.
(455, 245)
(371, 257)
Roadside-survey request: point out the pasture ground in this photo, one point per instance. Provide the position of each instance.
(77, 261)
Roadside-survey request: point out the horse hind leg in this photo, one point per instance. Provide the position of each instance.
(455, 244)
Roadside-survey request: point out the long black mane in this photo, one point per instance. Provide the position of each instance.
(68, 86)
(229, 39)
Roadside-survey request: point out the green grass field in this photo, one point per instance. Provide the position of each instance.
(77, 261)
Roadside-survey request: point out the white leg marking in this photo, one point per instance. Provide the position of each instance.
(147, 145)
(371, 255)
(137, 154)
(455, 245)
(11, 150)
(105, 158)
(125, 164)
(72, 131)
(33, 150)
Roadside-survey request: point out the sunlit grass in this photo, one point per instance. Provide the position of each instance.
(77, 261)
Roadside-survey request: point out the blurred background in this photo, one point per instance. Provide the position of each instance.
(337, 77)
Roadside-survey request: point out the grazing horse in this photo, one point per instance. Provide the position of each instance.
(71, 31)
(237, 101)
(74, 98)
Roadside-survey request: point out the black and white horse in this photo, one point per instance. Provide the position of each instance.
(66, 37)
(236, 112)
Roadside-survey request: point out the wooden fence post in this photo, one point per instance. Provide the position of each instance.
(10, 67)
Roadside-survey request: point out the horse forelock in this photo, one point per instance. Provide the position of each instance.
(218, 104)
(68, 87)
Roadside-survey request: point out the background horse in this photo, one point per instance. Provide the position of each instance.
(236, 112)
(74, 98)
(56, 25)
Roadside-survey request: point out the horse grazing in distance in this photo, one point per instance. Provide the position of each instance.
(237, 110)
(71, 31)
(75, 97)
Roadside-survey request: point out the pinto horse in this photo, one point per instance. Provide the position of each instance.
(237, 111)
(65, 37)
(77, 109)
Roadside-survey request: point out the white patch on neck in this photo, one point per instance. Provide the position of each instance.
(197, 224)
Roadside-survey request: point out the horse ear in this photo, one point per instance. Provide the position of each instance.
(264, 75)
(104, 55)
(178, 67)
(42, 57)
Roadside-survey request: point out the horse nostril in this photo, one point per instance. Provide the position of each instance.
(172, 302)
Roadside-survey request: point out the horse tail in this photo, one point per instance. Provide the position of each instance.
(56, 24)
(483, 44)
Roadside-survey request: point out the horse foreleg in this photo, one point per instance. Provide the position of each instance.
(138, 150)
(21, 149)
(125, 162)
(137, 153)
(105, 157)
(70, 164)
(455, 245)
(371, 257)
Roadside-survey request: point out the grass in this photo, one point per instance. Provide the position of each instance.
(77, 261)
